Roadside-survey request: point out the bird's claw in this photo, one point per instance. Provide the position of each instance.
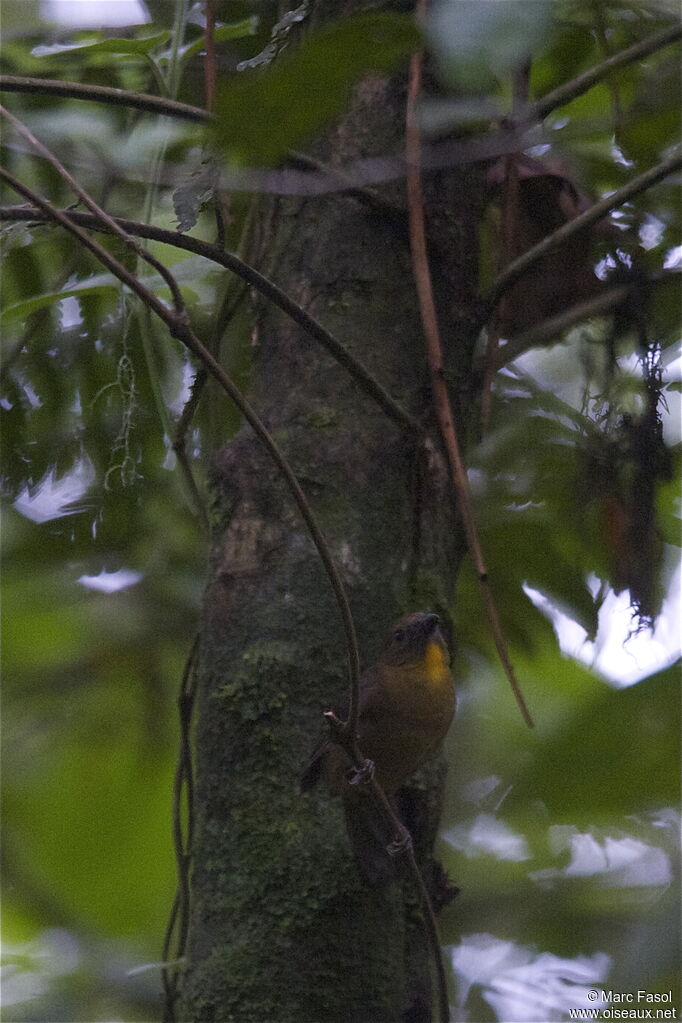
(400, 845)
(362, 775)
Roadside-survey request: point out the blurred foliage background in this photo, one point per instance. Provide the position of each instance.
(564, 841)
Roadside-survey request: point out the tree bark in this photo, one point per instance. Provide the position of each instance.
(282, 926)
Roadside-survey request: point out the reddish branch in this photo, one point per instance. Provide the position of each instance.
(434, 355)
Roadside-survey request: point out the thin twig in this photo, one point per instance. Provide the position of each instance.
(551, 329)
(262, 284)
(62, 217)
(435, 360)
(581, 83)
(179, 328)
(94, 207)
(182, 838)
(104, 94)
(515, 270)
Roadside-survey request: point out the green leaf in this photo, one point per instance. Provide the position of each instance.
(634, 738)
(96, 285)
(260, 116)
(142, 47)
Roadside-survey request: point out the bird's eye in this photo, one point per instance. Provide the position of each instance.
(399, 635)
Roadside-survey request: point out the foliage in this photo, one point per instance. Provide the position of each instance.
(104, 554)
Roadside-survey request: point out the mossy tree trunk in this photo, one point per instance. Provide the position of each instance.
(282, 928)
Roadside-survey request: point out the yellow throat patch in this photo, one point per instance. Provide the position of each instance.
(437, 670)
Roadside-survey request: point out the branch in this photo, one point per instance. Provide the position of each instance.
(549, 330)
(266, 287)
(581, 83)
(178, 325)
(434, 356)
(553, 327)
(104, 94)
(600, 209)
(178, 921)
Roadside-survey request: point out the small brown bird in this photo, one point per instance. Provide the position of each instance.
(407, 701)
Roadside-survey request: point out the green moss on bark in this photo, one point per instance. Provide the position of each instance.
(282, 926)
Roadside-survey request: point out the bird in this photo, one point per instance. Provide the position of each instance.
(406, 703)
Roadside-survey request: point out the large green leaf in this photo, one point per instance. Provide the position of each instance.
(261, 115)
(620, 754)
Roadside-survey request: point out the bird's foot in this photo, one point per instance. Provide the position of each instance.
(401, 844)
(359, 776)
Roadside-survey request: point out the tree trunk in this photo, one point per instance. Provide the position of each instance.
(282, 927)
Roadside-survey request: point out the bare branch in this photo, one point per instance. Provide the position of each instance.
(515, 270)
(551, 329)
(103, 94)
(581, 83)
